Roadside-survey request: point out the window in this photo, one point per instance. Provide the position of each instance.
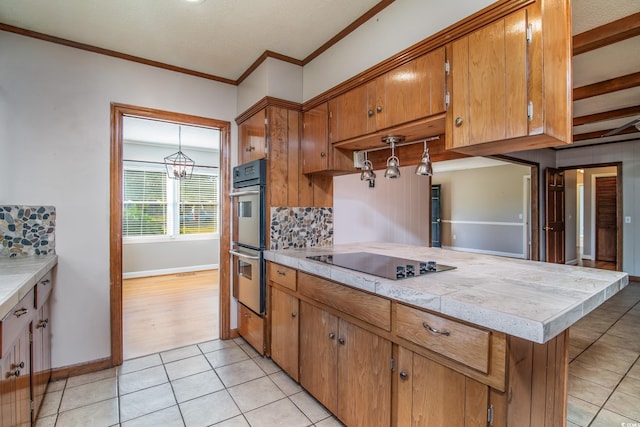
(155, 205)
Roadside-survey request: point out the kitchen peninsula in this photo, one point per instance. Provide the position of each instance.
(486, 342)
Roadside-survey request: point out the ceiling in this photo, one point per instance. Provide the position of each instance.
(233, 34)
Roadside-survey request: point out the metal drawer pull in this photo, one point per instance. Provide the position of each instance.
(241, 255)
(341, 341)
(21, 311)
(294, 314)
(43, 323)
(45, 282)
(244, 193)
(434, 330)
(282, 273)
(403, 375)
(17, 365)
(331, 335)
(15, 373)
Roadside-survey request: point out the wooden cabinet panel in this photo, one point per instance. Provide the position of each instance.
(284, 331)
(15, 383)
(430, 394)
(251, 328)
(350, 114)
(411, 91)
(509, 83)
(370, 308)
(252, 138)
(455, 340)
(364, 377)
(319, 355)
(282, 275)
(41, 348)
(315, 146)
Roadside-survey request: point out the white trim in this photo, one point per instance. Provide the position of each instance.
(135, 240)
(589, 257)
(136, 274)
(517, 224)
(572, 262)
(482, 251)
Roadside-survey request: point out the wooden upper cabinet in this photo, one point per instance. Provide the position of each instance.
(409, 92)
(509, 83)
(317, 153)
(252, 138)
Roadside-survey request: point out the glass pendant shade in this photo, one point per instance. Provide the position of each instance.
(392, 171)
(367, 173)
(179, 165)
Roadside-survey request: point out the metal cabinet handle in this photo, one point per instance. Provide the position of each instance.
(14, 373)
(43, 323)
(45, 282)
(434, 330)
(458, 122)
(379, 109)
(547, 228)
(403, 375)
(331, 335)
(21, 311)
(17, 365)
(341, 341)
(294, 314)
(281, 273)
(323, 154)
(370, 113)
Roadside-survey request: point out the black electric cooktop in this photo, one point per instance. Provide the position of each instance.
(382, 265)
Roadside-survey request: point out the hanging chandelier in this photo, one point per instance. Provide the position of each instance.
(179, 165)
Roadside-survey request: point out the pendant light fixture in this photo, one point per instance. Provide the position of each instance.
(425, 167)
(367, 173)
(179, 165)
(392, 171)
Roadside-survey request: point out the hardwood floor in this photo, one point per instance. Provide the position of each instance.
(165, 312)
(605, 265)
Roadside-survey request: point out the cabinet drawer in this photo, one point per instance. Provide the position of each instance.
(43, 289)
(251, 328)
(282, 275)
(370, 308)
(16, 321)
(452, 339)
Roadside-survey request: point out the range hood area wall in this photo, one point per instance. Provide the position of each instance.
(394, 211)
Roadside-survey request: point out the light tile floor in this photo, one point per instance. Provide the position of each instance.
(226, 383)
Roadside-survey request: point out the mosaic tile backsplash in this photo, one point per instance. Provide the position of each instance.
(27, 230)
(299, 227)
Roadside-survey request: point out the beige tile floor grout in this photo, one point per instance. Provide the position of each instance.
(227, 383)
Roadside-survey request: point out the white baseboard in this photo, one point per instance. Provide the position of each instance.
(482, 251)
(136, 274)
(589, 257)
(572, 262)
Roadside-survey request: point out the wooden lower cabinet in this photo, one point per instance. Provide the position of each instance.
(15, 386)
(41, 345)
(284, 331)
(430, 394)
(251, 328)
(347, 368)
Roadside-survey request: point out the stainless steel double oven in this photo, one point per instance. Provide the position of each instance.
(248, 235)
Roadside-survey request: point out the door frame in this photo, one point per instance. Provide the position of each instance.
(619, 202)
(118, 112)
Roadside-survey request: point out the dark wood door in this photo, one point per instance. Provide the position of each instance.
(606, 219)
(436, 221)
(554, 228)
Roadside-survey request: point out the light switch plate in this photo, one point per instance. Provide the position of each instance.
(627, 220)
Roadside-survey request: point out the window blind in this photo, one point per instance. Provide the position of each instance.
(145, 203)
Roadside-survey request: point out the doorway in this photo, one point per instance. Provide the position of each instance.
(118, 114)
(592, 216)
(436, 220)
(170, 237)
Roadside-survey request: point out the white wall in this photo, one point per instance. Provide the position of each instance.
(400, 25)
(394, 211)
(55, 106)
(273, 78)
(140, 259)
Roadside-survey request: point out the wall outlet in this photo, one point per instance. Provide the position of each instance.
(627, 220)
(455, 237)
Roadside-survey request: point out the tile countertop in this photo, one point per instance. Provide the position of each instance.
(19, 275)
(528, 299)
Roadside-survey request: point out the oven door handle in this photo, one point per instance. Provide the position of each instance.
(241, 255)
(244, 193)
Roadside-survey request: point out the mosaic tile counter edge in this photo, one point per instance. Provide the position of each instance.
(27, 230)
(300, 227)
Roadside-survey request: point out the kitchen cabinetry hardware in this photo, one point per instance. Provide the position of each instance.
(46, 282)
(435, 331)
(17, 365)
(403, 375)
(458, 122)
(341, 341)
(331, 335)
(15, 373)
(547, 228)
(529, 33)
(241, 255)
(281, 273)
(20, 312)
(43, 323)
(294, 314)
(530, 111)
(370, 113)
(244, 193)
(379, 109)
(323, 154)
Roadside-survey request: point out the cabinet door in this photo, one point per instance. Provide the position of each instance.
(352, 113)
(364, 377)
(489, 83)
(315, 144)
(251, 328)
(41, 357)
(430, 394)
(15, 383)
(284, 331)
(319, 355)
(411, 91)
(252, 139)
(8, 413)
